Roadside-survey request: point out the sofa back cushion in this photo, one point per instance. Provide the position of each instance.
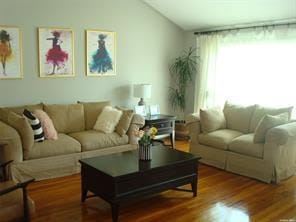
(212, 119)
(18, 110)
(91, 112)
(261, 111)
(238, 117)
(66, 118)
(23, 127)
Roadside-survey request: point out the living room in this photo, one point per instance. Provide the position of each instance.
(71, 65)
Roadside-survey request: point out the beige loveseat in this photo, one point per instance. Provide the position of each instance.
(232, 148)
(76, 140)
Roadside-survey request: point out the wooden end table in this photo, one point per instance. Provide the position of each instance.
(165, 124)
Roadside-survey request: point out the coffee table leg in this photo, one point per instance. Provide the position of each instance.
(194, 187)
(115, 210)
(83, 192)
(172, 137)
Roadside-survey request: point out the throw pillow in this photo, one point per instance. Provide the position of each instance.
(23, 127)
(108, 119)
(212, 119)
(50, 132)
(266, 123)
(124, 122)
(36, 126)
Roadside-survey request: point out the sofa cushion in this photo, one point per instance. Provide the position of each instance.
(91, 112)
(18, 110)
(219, 138)
(244, 145)
(108, 120)
(24, 129)
(266, 123)
(92, 139)
(261, 111)
(124, 122)
(66, 118)
(212, 119)
(238, 117)
(63, 145)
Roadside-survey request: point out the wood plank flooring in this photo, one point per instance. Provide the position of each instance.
(222, 197)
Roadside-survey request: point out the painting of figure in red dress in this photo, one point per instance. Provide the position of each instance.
(56, 52)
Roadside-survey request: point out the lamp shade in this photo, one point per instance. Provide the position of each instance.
(142, 90)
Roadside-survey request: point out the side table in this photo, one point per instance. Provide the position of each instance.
(165, 124)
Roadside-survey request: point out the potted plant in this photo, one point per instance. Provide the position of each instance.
(181, 70)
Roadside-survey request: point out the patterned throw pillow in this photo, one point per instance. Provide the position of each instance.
(108, 119)
(36, 126)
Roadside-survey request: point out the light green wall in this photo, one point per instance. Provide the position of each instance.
(146, 43)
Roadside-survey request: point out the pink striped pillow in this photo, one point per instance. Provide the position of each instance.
(50, 132)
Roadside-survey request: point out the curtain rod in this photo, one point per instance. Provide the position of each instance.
(243, 27)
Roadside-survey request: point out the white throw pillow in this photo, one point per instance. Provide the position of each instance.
(267, 122)
(108, 119)
(212, 119)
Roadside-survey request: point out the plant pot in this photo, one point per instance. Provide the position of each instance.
(145, 151)
(181, 131)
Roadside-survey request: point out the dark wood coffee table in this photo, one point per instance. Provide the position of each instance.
(120, 177)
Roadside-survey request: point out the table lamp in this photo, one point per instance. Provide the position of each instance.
(142, 91)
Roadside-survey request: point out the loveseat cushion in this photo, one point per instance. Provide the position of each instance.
(212, 119)
(219, 138)
(92, 139)
(261, 111)
(238, 117)
(66, 118)
(63, 145)
(244, 145)
(91, 112)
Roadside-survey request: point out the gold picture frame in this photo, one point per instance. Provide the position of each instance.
(11, 60)
(100, 52)
(56, 52)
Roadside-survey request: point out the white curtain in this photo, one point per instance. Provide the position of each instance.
(247, 67)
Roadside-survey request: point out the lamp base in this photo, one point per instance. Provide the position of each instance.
(141, 102)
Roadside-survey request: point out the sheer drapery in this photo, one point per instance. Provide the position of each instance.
(247, 67)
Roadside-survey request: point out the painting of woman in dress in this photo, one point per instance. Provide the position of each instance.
(56, 52)
(10, 53)
(100, 53)
(56, 56)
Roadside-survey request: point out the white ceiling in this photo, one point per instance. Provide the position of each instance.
(205, 14)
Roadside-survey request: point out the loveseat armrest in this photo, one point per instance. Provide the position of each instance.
(13, 146)
(281, 134)
(193, 124)
(138, 122)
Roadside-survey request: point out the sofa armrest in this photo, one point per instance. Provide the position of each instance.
(193, 124)
(13, 146)
(137, 123)
(281, 134)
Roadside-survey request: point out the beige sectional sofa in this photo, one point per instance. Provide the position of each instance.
(76, 140)
(231, 147)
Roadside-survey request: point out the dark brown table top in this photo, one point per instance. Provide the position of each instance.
(125, 163)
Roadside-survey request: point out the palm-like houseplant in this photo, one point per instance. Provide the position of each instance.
(182, 71)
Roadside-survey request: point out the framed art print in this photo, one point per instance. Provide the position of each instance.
(140, 110)
(10, 53)
(154, 110)
(56, 52)
(100, 53)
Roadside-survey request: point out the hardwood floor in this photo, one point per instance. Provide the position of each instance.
(222, 196)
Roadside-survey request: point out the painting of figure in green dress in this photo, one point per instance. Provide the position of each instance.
(100, 46)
